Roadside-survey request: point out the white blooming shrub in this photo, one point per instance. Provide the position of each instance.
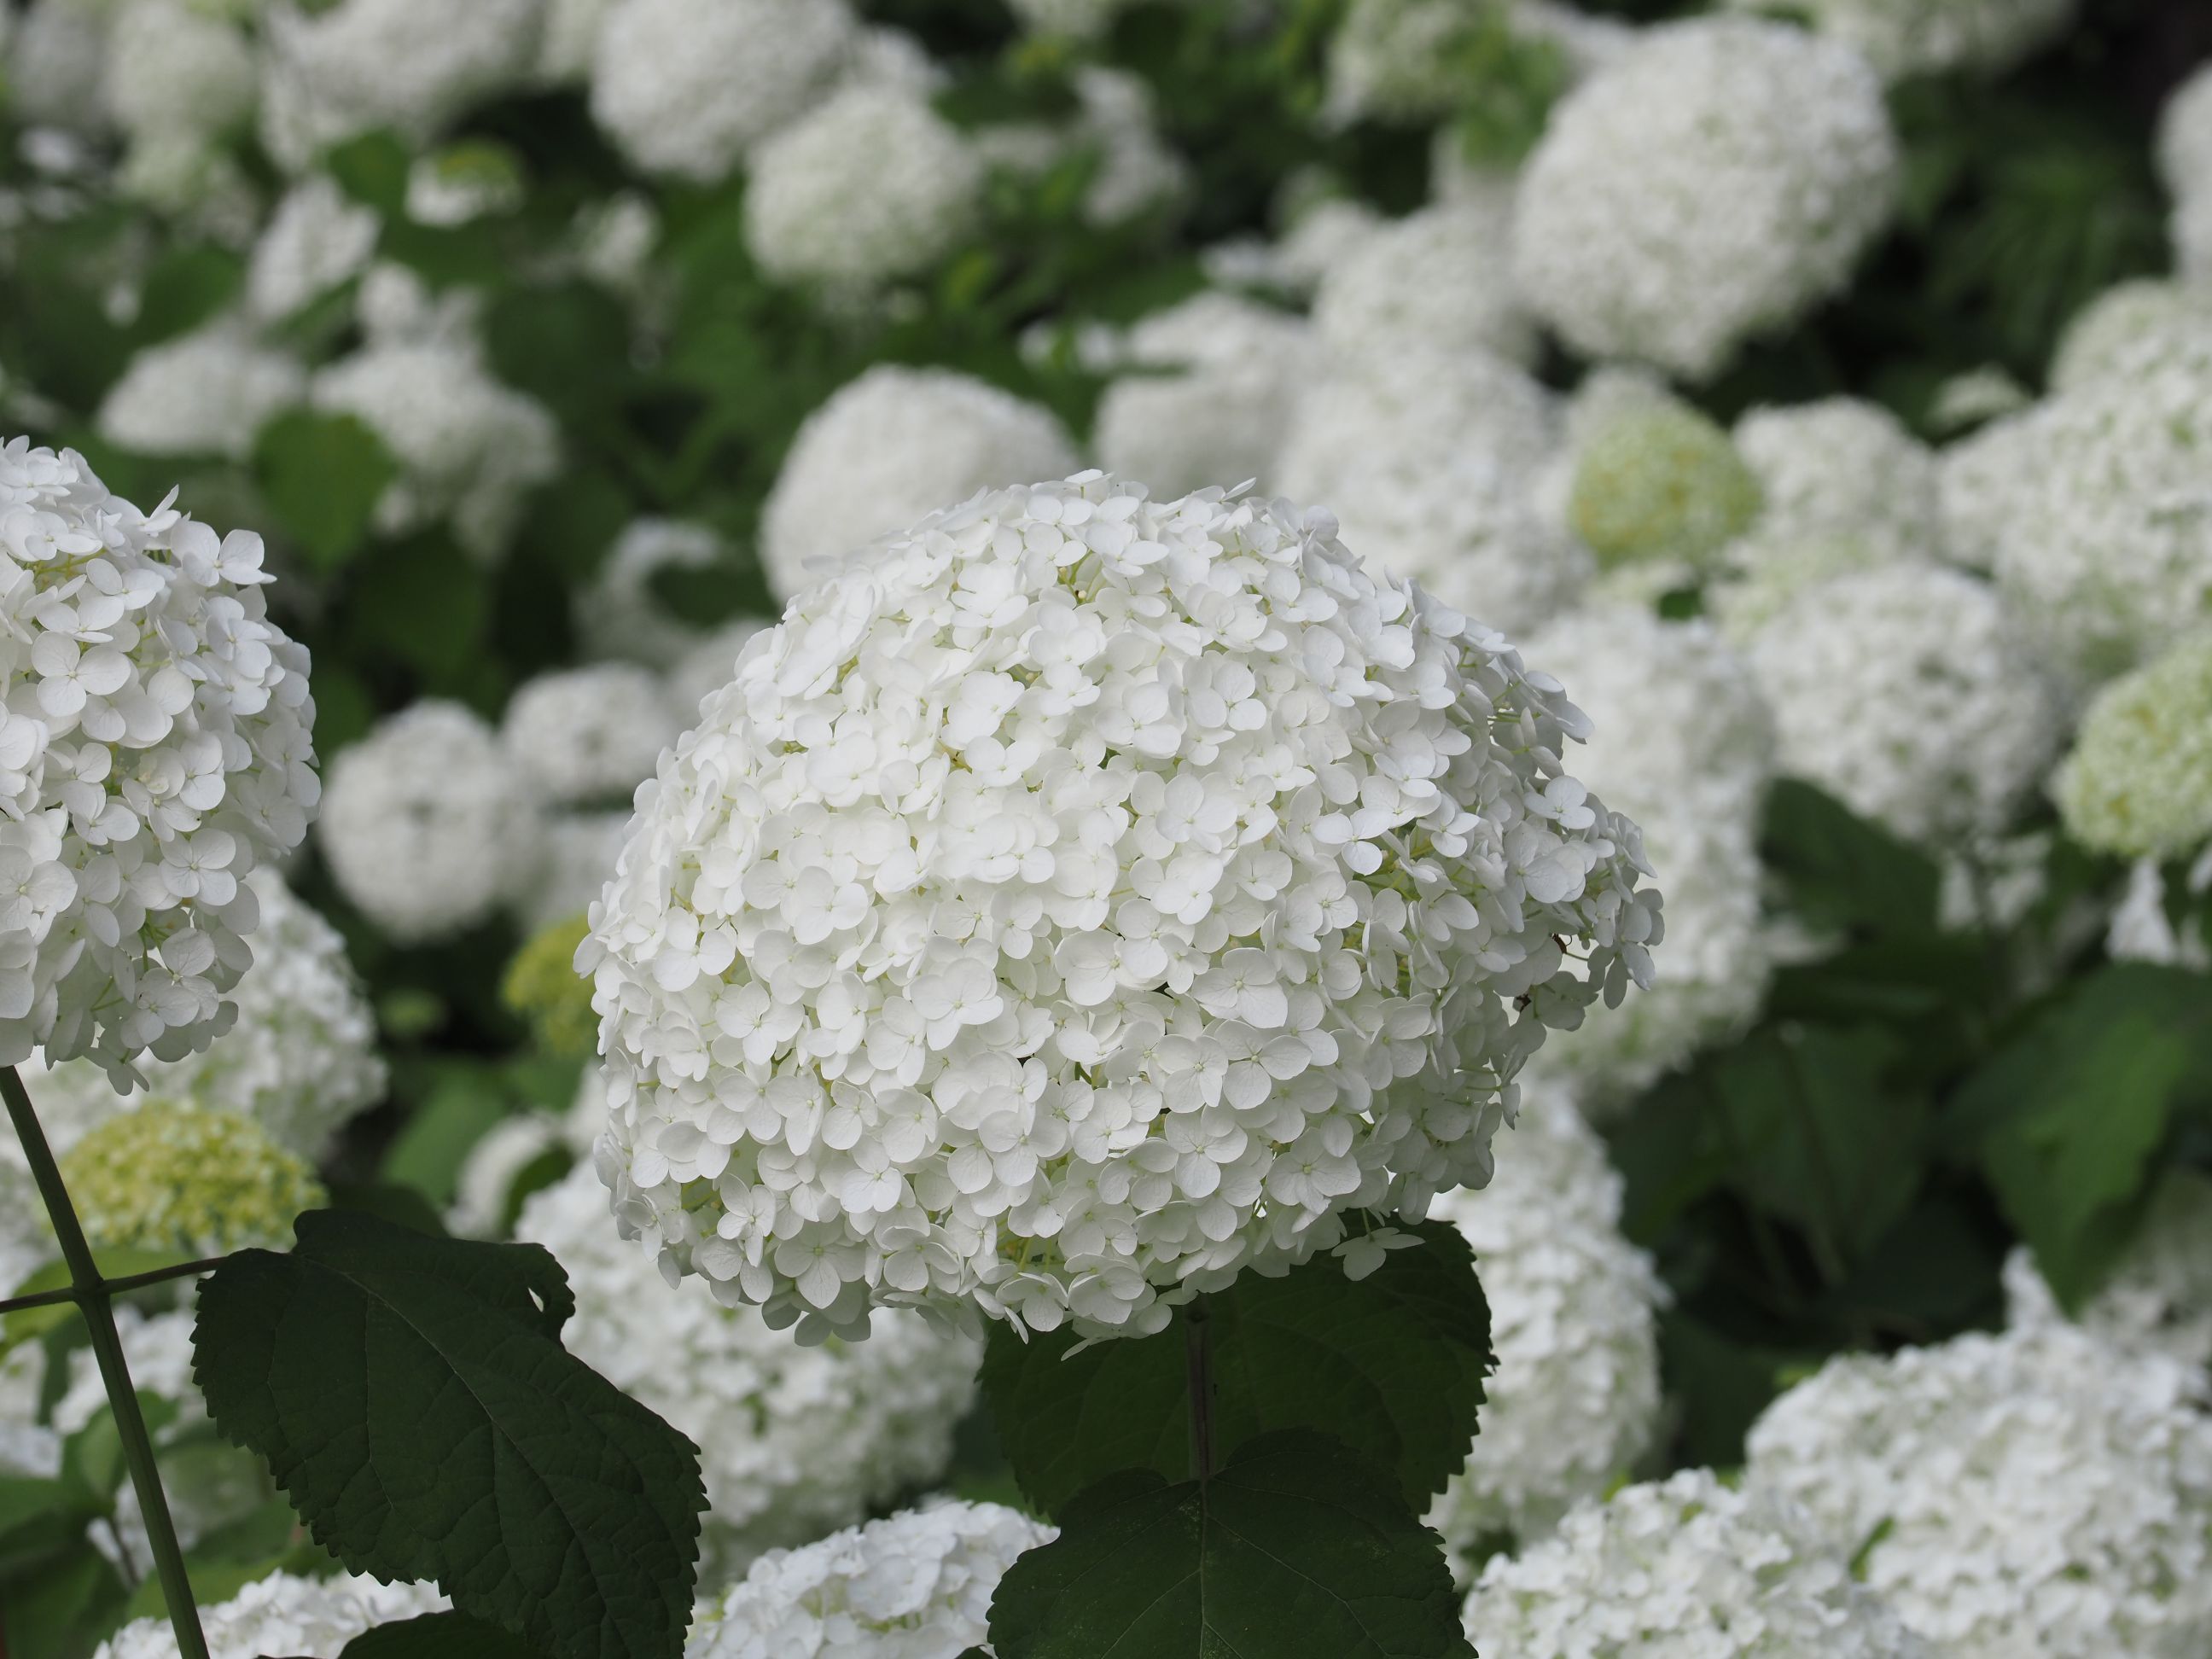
(1683, 1568)
(283, 1613)
(2038, 1492)
(156, 746)
(1716, 180)
(1084, 1070)
(793, 1440)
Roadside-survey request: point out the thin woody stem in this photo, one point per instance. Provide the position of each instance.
(91, 1293)
(114, 1287)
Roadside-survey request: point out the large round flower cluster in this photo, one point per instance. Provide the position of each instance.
(208, 392)
(1217, 378)
(2139, 778)
(915, 1584)
(1658, 482)
(1903, 38)
(888, 447)
(2184, 161)
(286, 1613)
(792, 1440)
(1719, 177)
(1683, 1568)
(1431, 462)
(1437, 280)
(171, 1177)
(155, 745)
(686, 87)
(1907, 692)
(1572, 1320)
(1684, 744)
(869, 186)
(2038, 1492)
(587, 735)
(2132, 326)
(428, 823)
(301, 1061)
(1083, 898)
(2158, 1297)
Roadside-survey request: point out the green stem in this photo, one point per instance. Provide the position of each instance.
(1197, 1378)
(114, 1287)
(93, 1294)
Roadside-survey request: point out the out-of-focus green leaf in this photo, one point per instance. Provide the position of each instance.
(322, 474)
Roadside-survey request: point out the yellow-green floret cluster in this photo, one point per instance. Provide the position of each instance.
(1661, 482)
(2139, 781)
(543, 988)
(172, 1177)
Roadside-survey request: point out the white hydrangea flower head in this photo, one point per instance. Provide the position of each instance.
(2141, 929)
(1216, 379)
(1902, 38)
(794, 1439)
(1979, 478)
(175, 72)
(689, 87)
(156, 746)
(2158, 1298)
(395, 308)
(1908, 693)
(286, 1613)
(871, 185)
(2038, 1492)
(483, 1204)
(1974, 396)
(470, 449)
(619, 615)
(569, 43)
(2130, 327)
(890, 446)
(916, 1585)
(1438, 280)
(1573, 1321)
(317, 238)
(56, 66)
(1658, 482)
(711, 664)
(1681, 740)
(2099, 521)
(579, 735)
(1839, 469)
(427, 822)
(172, 1176)
(208, 392)
(1713, 183)
(301, 1061)
(1430, 463)
(332, 71)
(1683, 1568)
(2139, 778)
(1314, 238)
(2184, 161)
(1038, 1049)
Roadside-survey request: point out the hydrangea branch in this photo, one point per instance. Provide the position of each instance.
(112, 1287)
(94, 1295)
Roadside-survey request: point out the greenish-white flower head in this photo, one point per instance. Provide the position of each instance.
(2139, 780)
(2129, 327)
(1660, 482)
(169, 1177)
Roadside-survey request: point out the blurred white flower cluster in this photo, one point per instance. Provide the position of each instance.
(286, 1613)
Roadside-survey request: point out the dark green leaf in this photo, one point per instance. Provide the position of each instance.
(461, 1110)
(1841, 872)
(404, 1206)
(373, 170)
(1393, 1365)
(187, 287)
(39, 1519)
(425, 605)
(440, 1636)
(322, 474)
(412, 1396)
(62, 1610)
(1296, 1548)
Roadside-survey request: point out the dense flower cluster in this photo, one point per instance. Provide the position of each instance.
(171, 1177)
(588, 734)
(2035, 1493)
(283, 1613)
(1907, 692)
(1574, 1397)
(204, 393)
(2158, 1297)
(792, 1439)
(2131, 326)
(2139, 778)
(1437, 280)
(1714, 182)
(1842, 470)
(1213, 931)
(916, 1585)
(1683, 1568)
(1658, 482)
(428, 822)
(2185, 159)
(1903, 38)
(317, 237)
(155, 745)
(885, 449)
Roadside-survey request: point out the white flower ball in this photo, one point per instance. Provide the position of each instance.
(1683, 1568)
(2138, 780)
(1082, 899)
(154, 747)
(1840, 470)
(1902, 38)
(2158, 1297)
(176, 71)
(2142, 931)
(283, 1613)
(1682, 741)
(916, 1585)
(793, 1440)
(317, 238)
(208, 392)
(335, 70)
(688, 87)
(1715, 182)
(579, 735)
(888, 447)
(2184, 161)
(869, 186)
(469, 450)
(301, 1061)
(2038, 1493)
(1439, 280)
(56, 66)
(1211, 397)
(484, 1194)
(1980, 478)
(619, 615)
(1573, 1321)
(1908, 693)
(1432, 463)
(2130, 328)
(428, 822)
